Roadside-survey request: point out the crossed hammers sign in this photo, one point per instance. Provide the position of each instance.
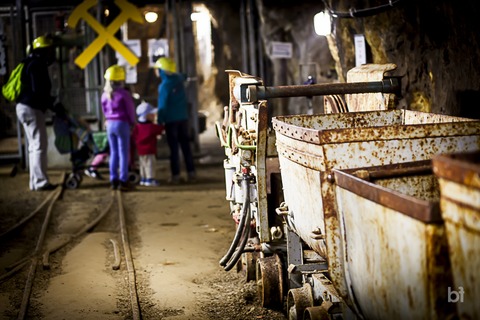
(105, 35)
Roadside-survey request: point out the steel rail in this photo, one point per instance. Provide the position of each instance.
(28, 217)
(35, 257)
(46, 254)
(34, 262)
(116, 253)
(128, 260)
(14, 267)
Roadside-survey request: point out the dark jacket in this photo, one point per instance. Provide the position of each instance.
(37, 88)
(172, 99)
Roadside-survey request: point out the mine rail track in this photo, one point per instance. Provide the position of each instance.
(40, 256)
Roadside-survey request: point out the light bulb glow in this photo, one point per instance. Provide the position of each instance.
(151, 17)
(322, 23)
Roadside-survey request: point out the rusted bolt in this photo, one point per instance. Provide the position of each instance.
(317, 234)
(331, 177)
(276, 232)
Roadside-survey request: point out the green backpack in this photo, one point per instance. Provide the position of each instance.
(12, 89)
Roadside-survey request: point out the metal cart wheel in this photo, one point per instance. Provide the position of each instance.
(269, 277)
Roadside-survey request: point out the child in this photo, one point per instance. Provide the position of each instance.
(119, 111)
(145, 136)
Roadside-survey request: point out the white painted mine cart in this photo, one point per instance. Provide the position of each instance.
(459, 179)
(311, 146)
(396, 253)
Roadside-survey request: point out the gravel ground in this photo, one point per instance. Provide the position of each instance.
(178, 234)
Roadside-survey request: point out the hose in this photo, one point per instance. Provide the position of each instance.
(239, 231)
(238, 253)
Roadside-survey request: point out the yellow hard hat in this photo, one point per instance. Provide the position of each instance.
(166, 64)
(42, 42)
(115, 73)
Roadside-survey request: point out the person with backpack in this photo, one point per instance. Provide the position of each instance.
(173, 114)
(34, 99)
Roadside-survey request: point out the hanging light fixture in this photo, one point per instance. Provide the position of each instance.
(322, 23)
(151, 16)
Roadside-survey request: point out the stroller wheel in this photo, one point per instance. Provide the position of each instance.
(78, 176)
(72, 181)
(133, 177)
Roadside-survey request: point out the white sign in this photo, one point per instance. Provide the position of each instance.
(130, 71)
(156, 48)
(360, 51)
(281, 50)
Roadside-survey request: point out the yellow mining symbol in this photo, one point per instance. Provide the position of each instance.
(105, 35)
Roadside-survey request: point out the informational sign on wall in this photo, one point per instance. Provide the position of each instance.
(360, 50)
(156, 48)
(135, 47)
(281, 50)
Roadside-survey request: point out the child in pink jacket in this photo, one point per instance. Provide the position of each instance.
(145, 136)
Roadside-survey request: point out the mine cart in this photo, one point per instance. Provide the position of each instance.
(395, 250)
(280, 182)
(309, 147)
(459, 179)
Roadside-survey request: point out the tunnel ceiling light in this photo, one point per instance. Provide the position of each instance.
(151, 16)
(322, 23)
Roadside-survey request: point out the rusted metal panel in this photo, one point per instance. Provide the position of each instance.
(263, 180)
(459, 178)
(415, 193)
(396, 254)
(372, 126)
(310, 146)
(310, 210)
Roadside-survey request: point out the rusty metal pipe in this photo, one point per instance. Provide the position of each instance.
(255, 93)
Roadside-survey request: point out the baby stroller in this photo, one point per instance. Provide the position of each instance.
(73, 137)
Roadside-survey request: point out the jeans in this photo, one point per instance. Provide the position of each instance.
(178, 138)
(118, 133)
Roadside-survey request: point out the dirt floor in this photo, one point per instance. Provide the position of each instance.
(178, 235)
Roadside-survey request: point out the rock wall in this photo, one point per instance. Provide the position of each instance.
(435, 45)
(293, 22)
(226, 40)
